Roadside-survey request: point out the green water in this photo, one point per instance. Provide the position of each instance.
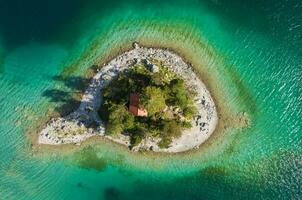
(249, 52)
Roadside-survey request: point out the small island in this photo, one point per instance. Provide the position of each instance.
(146, 99)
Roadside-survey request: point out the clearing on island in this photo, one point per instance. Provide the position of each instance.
(146, 99)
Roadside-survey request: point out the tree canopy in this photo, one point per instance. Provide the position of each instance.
(119, 119)
(153, 99)
(160, 93)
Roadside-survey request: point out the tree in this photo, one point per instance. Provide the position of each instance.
(119, 119)
(118, 89)
(137, 133)
(114, 129)
(181, 99)
(153, 100)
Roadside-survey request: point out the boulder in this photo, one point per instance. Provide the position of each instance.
(151, 67)
(154, 68)
(135, 45)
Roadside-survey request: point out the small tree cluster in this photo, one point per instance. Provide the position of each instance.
(119, 119)
(157, 93)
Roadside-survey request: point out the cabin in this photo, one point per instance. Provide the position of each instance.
(134, 106)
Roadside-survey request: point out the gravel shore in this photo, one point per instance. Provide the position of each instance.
(74, 128)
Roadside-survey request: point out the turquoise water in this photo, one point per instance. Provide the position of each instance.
(249, 54)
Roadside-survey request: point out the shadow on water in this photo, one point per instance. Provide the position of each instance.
(69, 98)
(209, 183)
(219, 182)
(75, 83)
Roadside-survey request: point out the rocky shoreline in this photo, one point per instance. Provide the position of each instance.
(77, 126)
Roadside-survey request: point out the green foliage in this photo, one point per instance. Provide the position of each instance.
(119, 119)
(158, 80)
(189, 112)
(117, 92)
(114, 129)
(171, 129)
(186, 124)
(178, 94)
(135, 140)
(163, 77)
(153, 100)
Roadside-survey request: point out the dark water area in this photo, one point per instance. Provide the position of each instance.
(278, 20)
(22, 22)
(46, 21)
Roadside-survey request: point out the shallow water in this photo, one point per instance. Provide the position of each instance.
(248, 54)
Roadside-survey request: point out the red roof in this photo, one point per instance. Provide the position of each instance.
(134, 99)
(134, 106)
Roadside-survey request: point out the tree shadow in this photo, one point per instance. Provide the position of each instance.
(69, 98)
(76, 83)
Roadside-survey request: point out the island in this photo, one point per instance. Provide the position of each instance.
(146, 99)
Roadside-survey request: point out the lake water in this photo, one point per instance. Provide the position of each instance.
(249, 54)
